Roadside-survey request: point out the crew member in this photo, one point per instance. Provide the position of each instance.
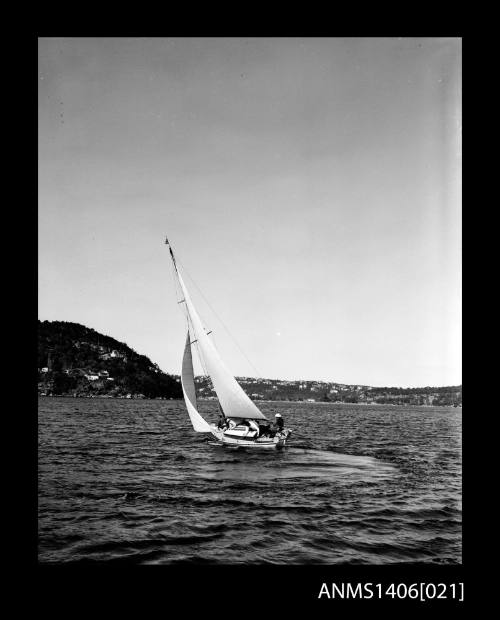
(264, 429)
(278, 420)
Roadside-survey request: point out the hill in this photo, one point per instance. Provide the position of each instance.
(77, 360)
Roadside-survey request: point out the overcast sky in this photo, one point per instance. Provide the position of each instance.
(310, 187)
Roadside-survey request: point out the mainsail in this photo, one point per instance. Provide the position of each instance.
(188, 389)
(233, 400)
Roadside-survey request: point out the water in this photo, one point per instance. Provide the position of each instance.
(129, 481)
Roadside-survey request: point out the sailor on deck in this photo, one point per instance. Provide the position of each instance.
(279, 423)
(222, 421)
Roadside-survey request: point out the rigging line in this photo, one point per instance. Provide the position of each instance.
(185, 311)
(191, 330)
(204, 365)
(200, 357)
(178, 292)
(259, 374)
(200, 354)
(206, 374)
(233, 390)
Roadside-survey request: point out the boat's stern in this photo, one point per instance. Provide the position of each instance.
(282, 436)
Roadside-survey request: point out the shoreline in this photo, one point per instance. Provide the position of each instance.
(307, 403)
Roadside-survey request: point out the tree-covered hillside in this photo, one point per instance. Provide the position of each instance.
(74, 359)
(77, 360)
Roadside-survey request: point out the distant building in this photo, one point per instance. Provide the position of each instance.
(44, 369)
(114, 354)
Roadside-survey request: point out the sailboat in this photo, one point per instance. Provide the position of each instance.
(242, 424)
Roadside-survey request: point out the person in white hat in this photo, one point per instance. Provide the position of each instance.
(279, 422)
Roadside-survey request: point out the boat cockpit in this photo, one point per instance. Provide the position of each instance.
(243, 429)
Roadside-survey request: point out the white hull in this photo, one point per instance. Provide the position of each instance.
(276, 442)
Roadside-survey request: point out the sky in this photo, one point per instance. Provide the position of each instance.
(310, 188)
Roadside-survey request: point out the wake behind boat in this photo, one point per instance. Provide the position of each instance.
(241, 422)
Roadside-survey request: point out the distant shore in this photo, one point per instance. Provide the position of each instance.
(302, 402)
(75, 360)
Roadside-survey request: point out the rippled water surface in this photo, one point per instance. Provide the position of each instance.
(129, 481)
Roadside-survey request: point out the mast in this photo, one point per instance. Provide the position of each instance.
(171, 253)
(233, 400)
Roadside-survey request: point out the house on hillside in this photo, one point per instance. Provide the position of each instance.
(113, 354)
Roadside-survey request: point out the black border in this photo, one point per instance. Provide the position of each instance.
(210, 588)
